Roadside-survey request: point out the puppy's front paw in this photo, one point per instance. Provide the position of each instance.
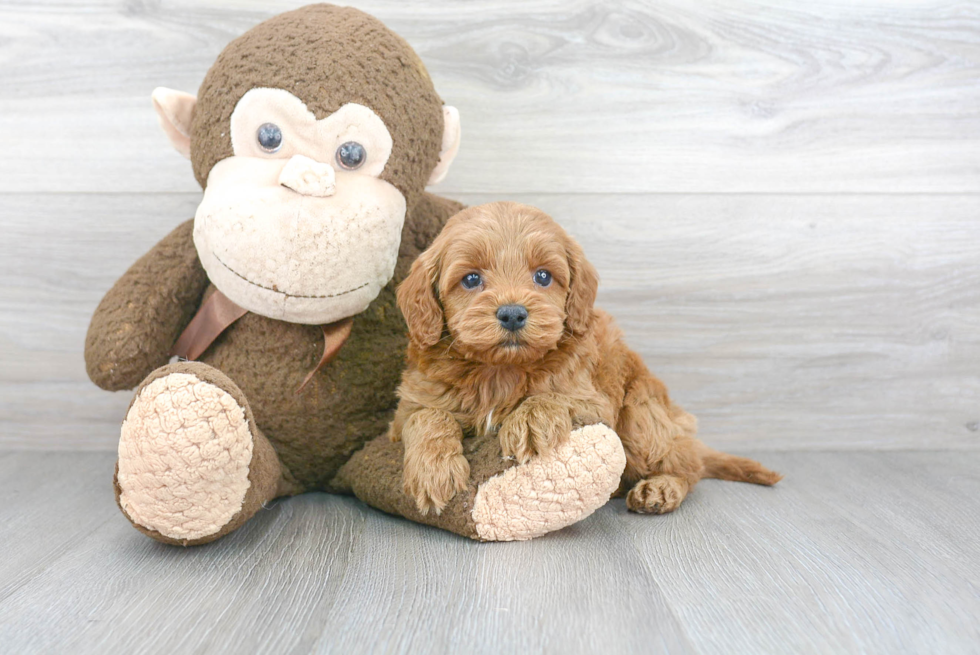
(432, 479)
(536, 427)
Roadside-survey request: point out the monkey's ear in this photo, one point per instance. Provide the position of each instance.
(450, 144)
(417, 301)
(582, 289)
(175, 109)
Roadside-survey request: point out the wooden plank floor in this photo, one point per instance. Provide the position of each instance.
(864, 552)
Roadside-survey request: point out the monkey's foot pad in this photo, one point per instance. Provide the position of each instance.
(553, 491)
(184, 456)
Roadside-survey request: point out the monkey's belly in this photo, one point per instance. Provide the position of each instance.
(347, 403)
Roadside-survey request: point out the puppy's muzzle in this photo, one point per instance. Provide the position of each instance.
(512, 317)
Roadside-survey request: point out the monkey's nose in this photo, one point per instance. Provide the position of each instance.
(308, 176)
(512, 317)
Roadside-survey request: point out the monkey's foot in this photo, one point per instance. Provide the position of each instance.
(192, 464)
(553, 491)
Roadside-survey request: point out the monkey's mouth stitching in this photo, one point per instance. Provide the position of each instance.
(288, 295)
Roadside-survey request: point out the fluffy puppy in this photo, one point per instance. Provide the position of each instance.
(503, 337)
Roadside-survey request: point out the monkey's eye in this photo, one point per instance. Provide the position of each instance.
(542, 278)
(351, 155)
(269, 136)
(471, 281)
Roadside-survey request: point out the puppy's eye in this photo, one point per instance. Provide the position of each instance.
(269, 137)
(351, 155)
(542, 278)
(471, 280)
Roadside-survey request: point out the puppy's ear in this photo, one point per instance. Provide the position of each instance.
(418, 303)
(582, 288)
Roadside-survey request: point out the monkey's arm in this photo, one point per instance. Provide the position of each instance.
(142, 315)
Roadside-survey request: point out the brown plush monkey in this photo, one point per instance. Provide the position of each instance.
(313, 135)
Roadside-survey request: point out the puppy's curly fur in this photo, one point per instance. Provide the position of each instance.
(567, 366)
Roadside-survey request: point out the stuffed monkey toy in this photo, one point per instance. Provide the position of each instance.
(262, 337)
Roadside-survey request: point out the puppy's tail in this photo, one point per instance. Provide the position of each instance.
(723, 466)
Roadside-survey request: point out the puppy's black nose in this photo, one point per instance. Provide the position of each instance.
(512, 317)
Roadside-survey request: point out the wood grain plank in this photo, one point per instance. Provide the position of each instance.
(326, 574)
(51, 502)
(576, 96)
(441, 594)
(117, 591)
(783, 322)
(52, 277)
(853, 552)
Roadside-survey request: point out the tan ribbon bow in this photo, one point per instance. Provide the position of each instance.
(218, 312)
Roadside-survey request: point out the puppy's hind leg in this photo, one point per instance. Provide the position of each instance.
(663, 461)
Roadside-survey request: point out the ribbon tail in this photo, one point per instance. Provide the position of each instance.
(212, 318)
(334, 337)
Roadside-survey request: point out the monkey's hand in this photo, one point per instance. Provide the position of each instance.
(536, 427)
(435, 469)
(142, 315)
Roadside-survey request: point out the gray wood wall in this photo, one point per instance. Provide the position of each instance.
(783, 199)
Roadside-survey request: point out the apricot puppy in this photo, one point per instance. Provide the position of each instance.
(503, 337)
